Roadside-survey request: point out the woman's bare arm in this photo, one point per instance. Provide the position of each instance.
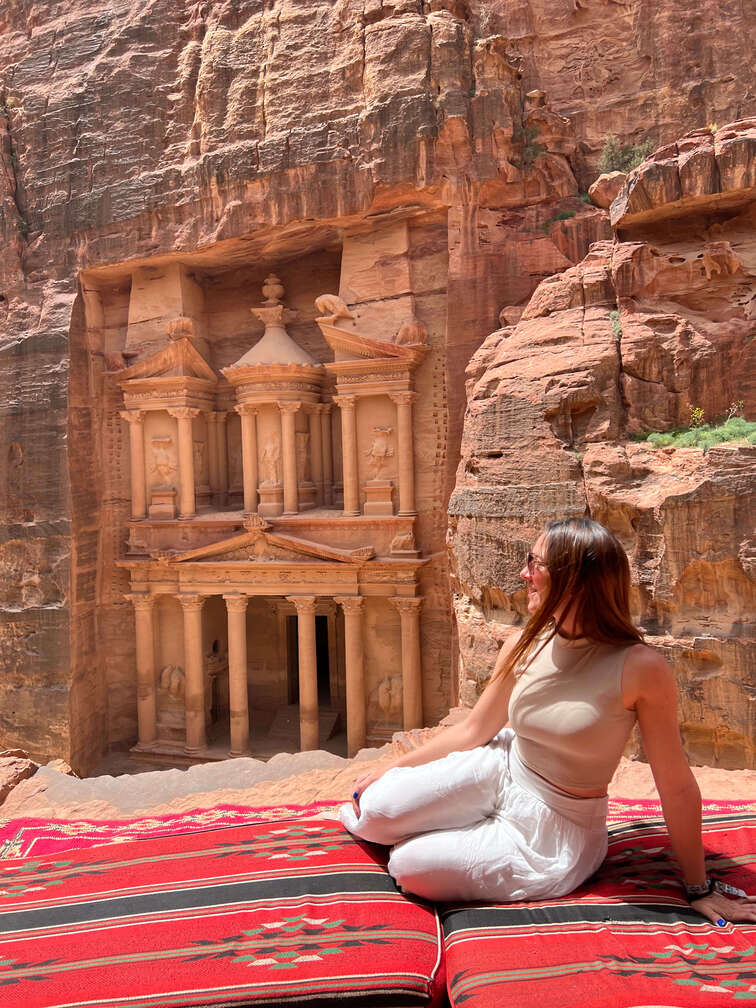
(650, 679)
(488, 716)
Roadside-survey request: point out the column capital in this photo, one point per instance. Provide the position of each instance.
(345, 402)
(184, 412)
(142, 601)
(246, 409)
(351, 604)
(305, 604)
(133, 416)
(191, 603)
(289, 407)
(402, 398)
(320, 408)
(236, 603)
(216, 416)
(406, 605)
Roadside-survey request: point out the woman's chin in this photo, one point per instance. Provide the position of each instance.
(533, 604)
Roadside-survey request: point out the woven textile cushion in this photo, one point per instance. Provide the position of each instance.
(625, 939)
(277, 912)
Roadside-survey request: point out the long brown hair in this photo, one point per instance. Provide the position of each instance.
(588, 569)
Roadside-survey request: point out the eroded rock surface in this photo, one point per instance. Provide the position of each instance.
(627, 342)
(253, 132)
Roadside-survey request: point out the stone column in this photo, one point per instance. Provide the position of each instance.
(135, 420)
(308, 671)
(289, 451)
(355, 672)
(316, 452)
(184, 416)
(194, 696)
(347, 404)
(248, 416)
(212, 456)
(145, 666)
(324, 409)
(412, 680)
(406, 449)
(237, 673)
(222, 454)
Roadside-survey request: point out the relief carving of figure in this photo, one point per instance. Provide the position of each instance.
(270, 463)
(303, 457)
(200, 462)
(164, 463)
(385, 701)
(379, 451)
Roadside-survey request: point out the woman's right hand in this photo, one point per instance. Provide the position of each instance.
(365, 780)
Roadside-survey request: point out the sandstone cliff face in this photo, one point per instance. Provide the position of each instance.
(245, 130)
(625, 343)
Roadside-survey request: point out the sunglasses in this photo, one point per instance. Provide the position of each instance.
(534, 561)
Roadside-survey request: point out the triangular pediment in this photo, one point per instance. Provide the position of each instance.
(260, 543)
(180, 359)
(347, 344)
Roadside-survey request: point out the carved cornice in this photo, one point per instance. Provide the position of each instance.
(352, 605)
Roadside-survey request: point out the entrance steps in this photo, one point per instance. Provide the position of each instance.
(284, 729)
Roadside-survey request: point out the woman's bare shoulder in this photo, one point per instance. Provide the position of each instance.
(646, 673)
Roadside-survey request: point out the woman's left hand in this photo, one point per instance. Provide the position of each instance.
(720, 909)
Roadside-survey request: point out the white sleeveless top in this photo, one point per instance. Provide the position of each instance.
(566, 710)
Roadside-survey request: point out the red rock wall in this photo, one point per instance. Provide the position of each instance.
(625, 343)
(129, 131)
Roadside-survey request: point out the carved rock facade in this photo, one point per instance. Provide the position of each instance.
(159, 162)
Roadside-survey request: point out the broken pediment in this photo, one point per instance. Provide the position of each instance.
(180, 359)
(349, 345)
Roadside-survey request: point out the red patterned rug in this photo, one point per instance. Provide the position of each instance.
(626, 939)
(267, 913)
(28, 836)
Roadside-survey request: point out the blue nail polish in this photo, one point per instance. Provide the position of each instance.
(720, 923)
(356, 794)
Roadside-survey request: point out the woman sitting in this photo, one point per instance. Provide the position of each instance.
(484, 812)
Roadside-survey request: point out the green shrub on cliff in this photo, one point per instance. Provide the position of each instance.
(705, 436)
(623, 157)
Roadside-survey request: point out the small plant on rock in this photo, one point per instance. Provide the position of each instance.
(736, 409)
(696, 416)
(614, 318)
(616, 156)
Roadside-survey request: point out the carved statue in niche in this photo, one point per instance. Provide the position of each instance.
(379, 451)
(303, 457)
(235, 476)
(200, 461)
(385, 701)
(164, 462)
(270, 463)
(403, 542)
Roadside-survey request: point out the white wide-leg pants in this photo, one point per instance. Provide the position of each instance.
(478, 825)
